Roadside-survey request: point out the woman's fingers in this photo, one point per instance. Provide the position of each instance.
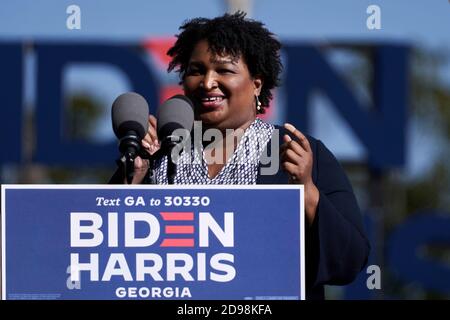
(291, 156)
(296, 155)
(303, 141)
(150, 142)
(152, 125)
(140, 164)
(293, 145)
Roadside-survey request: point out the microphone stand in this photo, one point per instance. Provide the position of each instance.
(168, 143)
(129, 146)
(171, 169)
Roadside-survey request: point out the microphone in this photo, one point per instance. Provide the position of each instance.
(174, 114)
(129, 115)
(175, 121)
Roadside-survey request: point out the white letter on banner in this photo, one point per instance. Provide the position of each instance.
(76, 229)
(113, 226)
(121, 292)
(130, 239)
(201, 266)
(122, 270)
(230, 272)
(153, 271)
(225, 236)
(172, 269)
(76, 267)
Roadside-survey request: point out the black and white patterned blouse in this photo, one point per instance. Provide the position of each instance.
(241, 168)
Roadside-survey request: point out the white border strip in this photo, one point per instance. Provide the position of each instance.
(302, 243)
(164, 187)
(3, 213)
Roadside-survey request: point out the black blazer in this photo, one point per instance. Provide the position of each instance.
(336, 247)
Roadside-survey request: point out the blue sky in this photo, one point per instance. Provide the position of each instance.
(420, 23)
(424, 20)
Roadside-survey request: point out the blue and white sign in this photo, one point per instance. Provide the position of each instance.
(152, 242)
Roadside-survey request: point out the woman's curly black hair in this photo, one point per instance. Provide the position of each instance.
(237, 36)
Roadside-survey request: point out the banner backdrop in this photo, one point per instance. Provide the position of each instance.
(152, 242)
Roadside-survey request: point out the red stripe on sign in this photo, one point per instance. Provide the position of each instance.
(179, 229)
(168, 216)
(177, 243)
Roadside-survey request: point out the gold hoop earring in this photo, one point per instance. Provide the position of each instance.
(258, 104)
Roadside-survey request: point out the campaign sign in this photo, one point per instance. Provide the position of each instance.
(152, 242)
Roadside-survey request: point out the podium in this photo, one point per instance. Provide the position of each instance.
(201, 242)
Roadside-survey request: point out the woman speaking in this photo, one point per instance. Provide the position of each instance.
(228, 66)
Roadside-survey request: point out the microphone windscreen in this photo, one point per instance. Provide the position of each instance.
(175, 113)
(130, 113)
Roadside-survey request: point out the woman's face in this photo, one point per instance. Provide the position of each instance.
(222, 89)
